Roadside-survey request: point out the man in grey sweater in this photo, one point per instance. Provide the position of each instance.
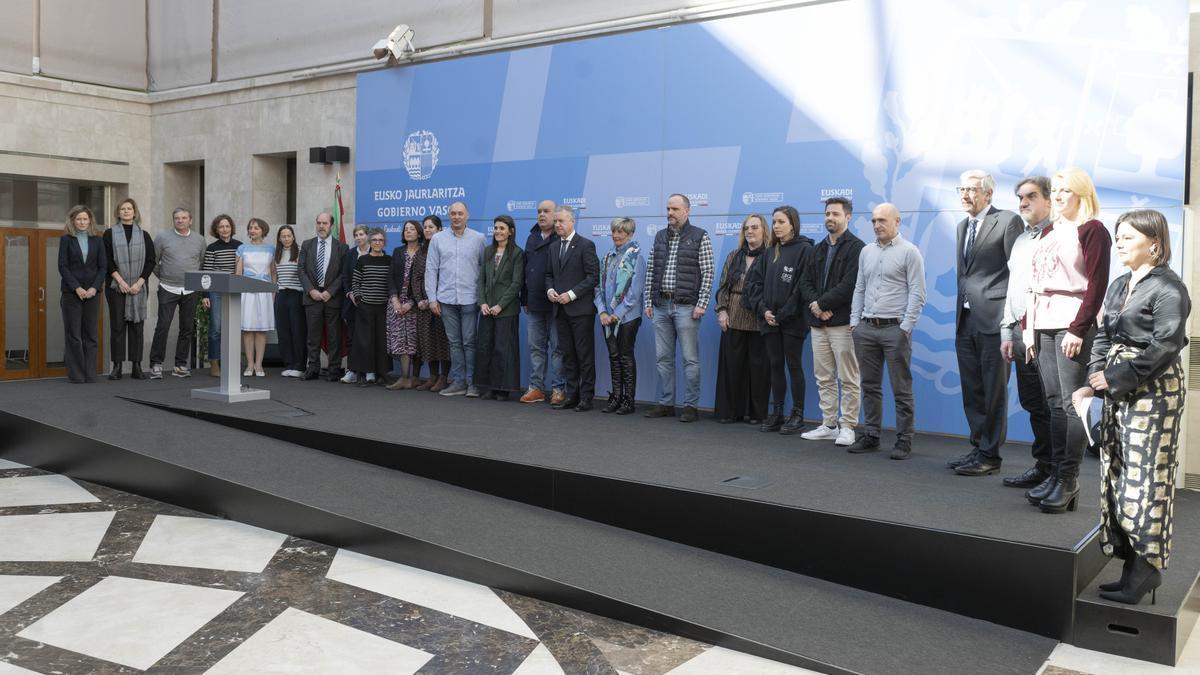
(177, 251)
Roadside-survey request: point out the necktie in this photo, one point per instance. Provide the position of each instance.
(562, 250)
(321, 263)
(972, 226)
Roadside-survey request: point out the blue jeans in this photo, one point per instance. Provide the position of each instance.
(460, 322)
(543, 335)
(214, 327)
(673, 321)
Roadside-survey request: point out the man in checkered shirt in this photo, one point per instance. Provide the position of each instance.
(679, 280)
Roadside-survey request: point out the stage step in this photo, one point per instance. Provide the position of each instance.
(1150, 632)
(505, 544)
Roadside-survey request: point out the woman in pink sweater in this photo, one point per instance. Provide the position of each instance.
(1069, 277)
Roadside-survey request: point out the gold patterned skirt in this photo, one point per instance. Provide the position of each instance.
(1139, 438)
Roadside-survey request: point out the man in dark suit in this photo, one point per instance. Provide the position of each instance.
(321, 276)
(571, 279)
(985, 241)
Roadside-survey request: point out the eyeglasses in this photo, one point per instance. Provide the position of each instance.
(376, 241)
(969, 190)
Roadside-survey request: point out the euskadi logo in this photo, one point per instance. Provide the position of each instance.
(577, 203)
(698, 198)
(521, 205)
(827, 193)
(420, 154)
(726, 229)
(601, 230)
(749, 198)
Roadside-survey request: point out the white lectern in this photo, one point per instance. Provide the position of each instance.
(230, 287)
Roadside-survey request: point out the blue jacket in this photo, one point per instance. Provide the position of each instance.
(537, 257)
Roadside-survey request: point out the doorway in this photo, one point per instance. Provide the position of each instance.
(31, 335)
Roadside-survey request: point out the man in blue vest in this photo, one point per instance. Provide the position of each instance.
(679, 278)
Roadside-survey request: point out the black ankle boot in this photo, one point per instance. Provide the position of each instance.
(115, 373)
(794, 423)
(137, 373)
(774, 421)
(1064, 497)
(1037, 494)
(1126, 568)
(1143, 578)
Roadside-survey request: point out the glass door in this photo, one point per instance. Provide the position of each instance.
(32, 336)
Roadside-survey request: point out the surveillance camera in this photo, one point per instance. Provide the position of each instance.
(397, 44)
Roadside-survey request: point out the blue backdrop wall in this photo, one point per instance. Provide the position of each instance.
(873, 100)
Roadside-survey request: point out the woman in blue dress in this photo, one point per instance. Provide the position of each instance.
(257, 261)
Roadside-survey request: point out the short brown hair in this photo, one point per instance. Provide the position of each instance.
(262, 225)
(212, 229)
(1153, 225)
(847, 205)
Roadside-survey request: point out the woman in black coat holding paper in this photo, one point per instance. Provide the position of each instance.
(82, 265)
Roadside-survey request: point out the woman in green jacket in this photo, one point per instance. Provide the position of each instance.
(497, 344)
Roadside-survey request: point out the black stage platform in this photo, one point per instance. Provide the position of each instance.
(795, 563)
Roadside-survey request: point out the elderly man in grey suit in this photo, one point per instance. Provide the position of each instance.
(985, 241)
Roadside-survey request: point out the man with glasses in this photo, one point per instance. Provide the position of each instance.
(985, 240)
(1033, 194)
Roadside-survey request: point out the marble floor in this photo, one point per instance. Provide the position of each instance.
(93, 580)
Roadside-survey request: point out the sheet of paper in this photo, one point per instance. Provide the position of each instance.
(1083, 407)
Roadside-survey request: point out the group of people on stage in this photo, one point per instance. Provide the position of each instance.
(1031, 292)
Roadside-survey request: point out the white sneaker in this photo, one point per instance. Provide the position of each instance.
(821, 433)
(292, 373)
(845, 437)
(349, 377)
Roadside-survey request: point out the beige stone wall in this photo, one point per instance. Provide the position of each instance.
(240, 136)
(57, 129)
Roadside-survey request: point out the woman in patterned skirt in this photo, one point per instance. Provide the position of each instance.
(432, 345)
(402, 317)
(1135, 364)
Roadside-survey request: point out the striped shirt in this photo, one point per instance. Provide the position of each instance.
(287, 273)
(371, 277)
(220, 256)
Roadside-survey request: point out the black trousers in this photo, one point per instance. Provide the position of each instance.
(498, 353)
(743, 376)
(621, 362)
(81, 328)
(368, 352)
(290, 327)
(577, 341)
(1033, 400)
(983, 374)
(125, 337)
(320, 315)
(167, 303)
(785, 351)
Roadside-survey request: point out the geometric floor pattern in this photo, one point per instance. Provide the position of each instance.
(94, 580)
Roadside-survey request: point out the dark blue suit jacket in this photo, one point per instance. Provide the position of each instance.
(77, 272)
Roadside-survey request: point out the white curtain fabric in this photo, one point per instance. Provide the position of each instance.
(180, 43)
(98, 42)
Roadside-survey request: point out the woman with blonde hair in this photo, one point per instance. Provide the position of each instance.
(130, 261)
(1067, 282)
(82, 267)
(1135, 364)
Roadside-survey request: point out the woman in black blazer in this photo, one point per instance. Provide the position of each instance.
(82, 266)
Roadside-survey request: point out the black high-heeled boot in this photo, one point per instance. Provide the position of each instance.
(617, 392)
(1126, 568)
(628, 385)
(1143, 578)
(1037, 494)
(1064, 497)
(774, 421)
